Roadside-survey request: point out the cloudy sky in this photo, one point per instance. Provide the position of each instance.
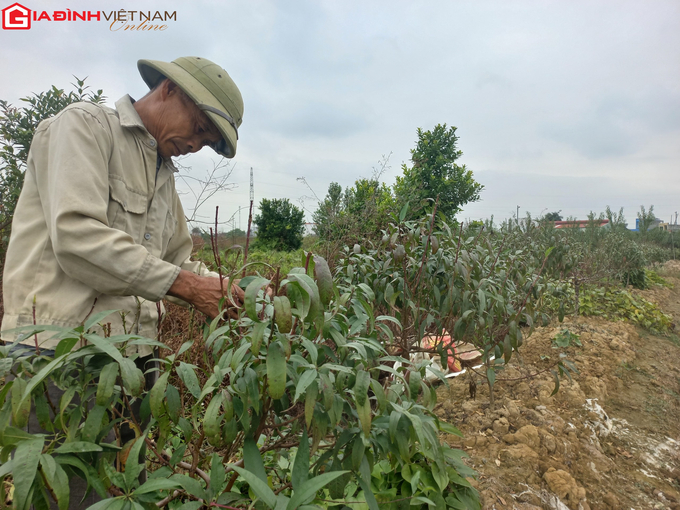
(560, 105)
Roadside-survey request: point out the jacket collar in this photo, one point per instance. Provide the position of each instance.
(129, 118)
(127, 114)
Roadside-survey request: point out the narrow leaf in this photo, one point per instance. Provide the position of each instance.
(301, 464)
(252, 459)
(260, 488)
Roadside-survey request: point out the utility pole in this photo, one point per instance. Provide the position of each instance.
(517, 216)
(250, 220)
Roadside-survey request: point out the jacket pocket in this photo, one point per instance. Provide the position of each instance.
(127, 208)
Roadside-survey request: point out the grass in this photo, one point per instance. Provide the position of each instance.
(262, 262)
(674, 339)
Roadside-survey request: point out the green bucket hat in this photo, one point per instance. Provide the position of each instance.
(210, 87)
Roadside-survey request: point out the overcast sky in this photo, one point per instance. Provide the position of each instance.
(559, 105)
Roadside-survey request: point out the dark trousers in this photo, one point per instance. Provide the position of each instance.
(77, 485)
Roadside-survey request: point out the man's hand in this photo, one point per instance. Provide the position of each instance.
(204, 292)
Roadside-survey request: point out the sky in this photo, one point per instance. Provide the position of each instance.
(566, 106)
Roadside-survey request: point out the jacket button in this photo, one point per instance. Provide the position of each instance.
(147, 236)
(152, 143)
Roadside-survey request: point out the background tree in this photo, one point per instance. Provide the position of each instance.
(360, 212)
(435, 172)
(553, 216)
(646, 218)
(616, 221)
(327, 216)
(17, 127)
(280, 225)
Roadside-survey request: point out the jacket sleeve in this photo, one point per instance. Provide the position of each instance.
(70, 157)
(180, 246)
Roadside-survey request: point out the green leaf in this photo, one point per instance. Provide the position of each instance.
(309, 489)
(557, 382)
(307, 378)
(379, 393)
(358, 451)
(250, 300)
(156, 484)
(212, 421)
(133, 378)
(310, 402)
(12, 436)
(21, 407)
(324, 279)
(284, 315)
(368, 494)
(93, 423)
(256, 337)
(301, 464)
(252, 459)
(482, 301)
(363, 380)
(309, 287)
(174, 402)
(97, 318)
(368, 291)
(105, 345)
(192, 486)
(491, 376)
(311, 349)
(88, 472)
(326, 390)
(57, 480)
(107, 380)
(217, 475)
(110, 504)
(276, 371)
(448, 428)
(260, 488)
(402, 215)
(40, 377)
(157, 395)
(79, 447)
(364, 413)
(191, 505)
(395, 416)
(26, 459)
(414, 380)
(507, 349)
(65, 346)
(215, 334)
(188, 376)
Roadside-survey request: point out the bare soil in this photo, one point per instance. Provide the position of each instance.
(610, 437)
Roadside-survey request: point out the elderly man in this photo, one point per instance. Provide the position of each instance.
(99, 225)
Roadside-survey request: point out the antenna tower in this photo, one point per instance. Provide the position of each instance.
(250, 220)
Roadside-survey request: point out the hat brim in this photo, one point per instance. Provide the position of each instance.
(153, 71)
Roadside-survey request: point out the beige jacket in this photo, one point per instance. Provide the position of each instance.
(94, 223)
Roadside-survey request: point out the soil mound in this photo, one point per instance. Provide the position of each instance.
(610, 437)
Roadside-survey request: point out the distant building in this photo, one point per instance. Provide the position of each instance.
(581, 224)
(657, 223)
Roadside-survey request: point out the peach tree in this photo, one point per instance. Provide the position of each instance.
(295, 404)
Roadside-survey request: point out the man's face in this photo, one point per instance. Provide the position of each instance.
(180, 127)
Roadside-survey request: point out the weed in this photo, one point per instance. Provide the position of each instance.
(566, 337)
